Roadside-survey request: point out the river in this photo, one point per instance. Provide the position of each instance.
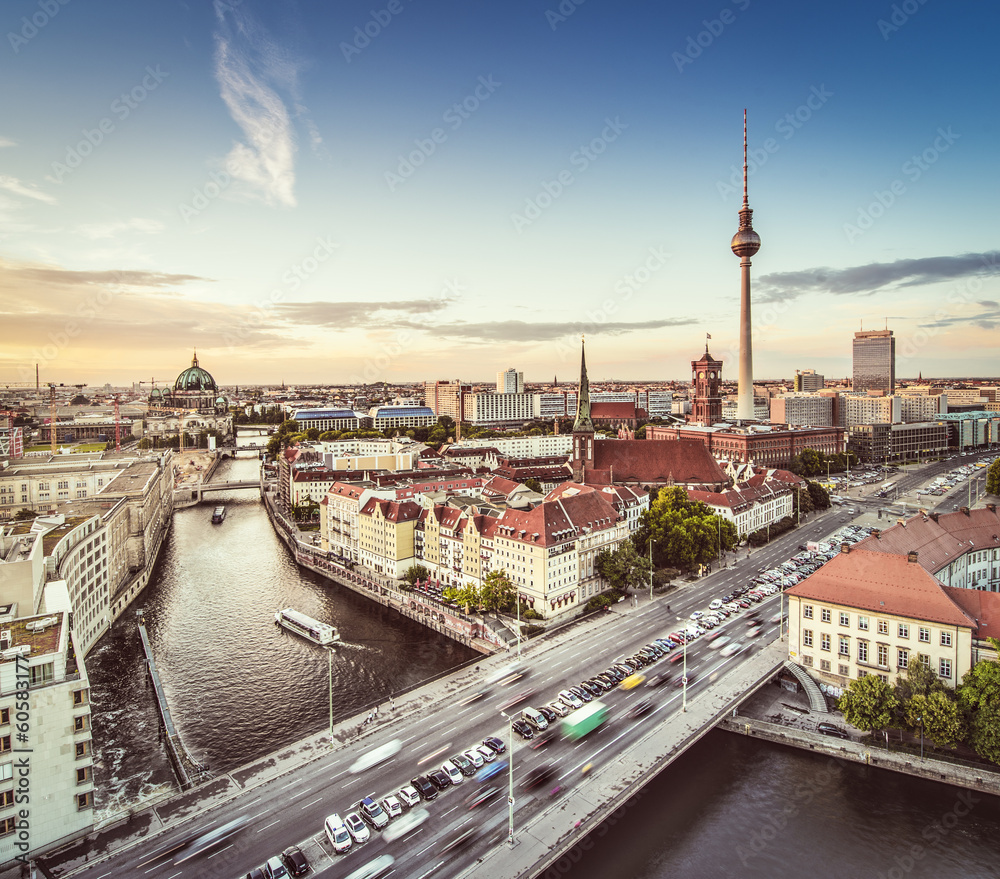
(240, 687)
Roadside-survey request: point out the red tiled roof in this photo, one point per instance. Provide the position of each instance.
(498, 486)
(684, 461)
(882, 583)
(557, 521)
(983, 607)
(941, 542)
(612, 410)
(738, 499)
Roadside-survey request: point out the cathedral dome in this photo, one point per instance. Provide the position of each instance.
(194, 378)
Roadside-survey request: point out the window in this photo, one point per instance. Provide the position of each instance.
(862, 674)
(807, 660)
(944, 668)
(825, 614)
(824, 642)
(83, 775)
(79, 697)
(4, 716)
(6, 826)
(946, 639)
(904, 630)
(924, 634)
(843, 670)
(4, 744)
(6, 798)
(807, 611)
(6, 771)
(824, 664)
(903, 657)
(82, 749)
(807, 638)
(883, 627)
(862, 651)
(883, 656)
(80, 723)
(42, 674)
(85, 801)
(863, 623)
(845, 646)
(845, 618)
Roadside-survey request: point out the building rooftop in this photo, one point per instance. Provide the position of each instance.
(134, 479)
(41, 633)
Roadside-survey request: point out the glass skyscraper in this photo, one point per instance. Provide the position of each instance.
(874, 361)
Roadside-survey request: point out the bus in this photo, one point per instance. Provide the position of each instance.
(584, 720)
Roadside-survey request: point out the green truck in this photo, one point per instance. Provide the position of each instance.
(585, 720)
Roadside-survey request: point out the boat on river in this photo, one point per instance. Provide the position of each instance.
(313, 630)
(218, 515)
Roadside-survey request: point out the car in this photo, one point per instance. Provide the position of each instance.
(719, 643)
(439, 779)
(373, 813)
(474, 757)
(357, 828)
(393, 807)
(715, 603)
(730, 649)
(581, 694)
(632, 681)
(295, 861)
(754, 632)
(522, 728)
(453, 772)
(538, 776)
(464, 764)
(482, 796)
(558, 708)
(491, 770)
(570, 699)
(599, 685)
(658, 680)
(409, 796)
(592, 688)
(407, 824)
(640, 708)
(488, 754)
(373, 869)
(424, 787)
(543, 739)
(337, 833)
(460, 838)
(497, 746)
(697, 615)
(257, 873)
(828, 729)
(523, 696)
(275, 868)
(549, 715)
(677, 657)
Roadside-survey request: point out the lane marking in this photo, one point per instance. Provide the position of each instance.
(262, 829)
(221, 850)
(313, 803)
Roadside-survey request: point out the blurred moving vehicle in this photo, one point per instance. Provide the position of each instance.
(407, 824)
(584, 721)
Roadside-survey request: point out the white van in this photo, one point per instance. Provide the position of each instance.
(535, 718)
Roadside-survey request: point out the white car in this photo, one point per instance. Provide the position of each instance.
(716, 603)
(696, 615)
(408, 823)
(474, 757)
(719, 642)
(358, 829)
(730, 649)
(393, 807)
(488, 754)
(409, 796)
(558, 708)
(452, 771)
(336, 832)
(571, 700)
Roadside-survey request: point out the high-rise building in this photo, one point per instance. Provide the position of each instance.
(808, 380)
(510, 381)
(706, 382)
(445, 398)
(874, 361)
(801, 410)
(745, 244)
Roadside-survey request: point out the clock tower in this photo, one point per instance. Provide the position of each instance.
(706, 385)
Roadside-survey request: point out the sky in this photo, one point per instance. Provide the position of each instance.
(409, 190)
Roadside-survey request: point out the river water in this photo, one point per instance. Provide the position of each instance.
(240, 687)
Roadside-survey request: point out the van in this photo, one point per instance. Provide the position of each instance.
(535, 718)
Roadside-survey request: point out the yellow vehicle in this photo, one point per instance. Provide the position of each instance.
(632, 681)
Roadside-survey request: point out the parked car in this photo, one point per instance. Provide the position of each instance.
(439, 779)
(488, 754)
(423, 786)
(549, 715)
(373, 813)
(493, 742)
(453, 772)
(356, 827)
(464, 764)
(522, 728)
(558, 708)
(295, 861)
(409, 796)
(474, 757)
(393, 807)
(828, 729)
(275, 868)
(337, 833)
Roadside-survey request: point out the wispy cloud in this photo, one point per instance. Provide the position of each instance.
(7, 142)
(347, 315)
(523, 331)
(96, 231)
(12, 184)
(250, 67)
(17, 276)
(871, 278)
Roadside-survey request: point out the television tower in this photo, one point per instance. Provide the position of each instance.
(745, 244)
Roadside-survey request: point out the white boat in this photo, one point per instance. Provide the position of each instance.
(307, 627)
(218, 515)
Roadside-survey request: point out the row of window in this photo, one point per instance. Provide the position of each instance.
(882, 661)
(864, 624)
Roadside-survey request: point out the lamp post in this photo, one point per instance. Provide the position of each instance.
(650, 567)
(684, 680)
(920, 720)
(510, 764)
(329, 653)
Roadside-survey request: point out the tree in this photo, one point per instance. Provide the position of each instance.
(919, 680)
(820, 496)
(534, 485)
(979, 697)
(685, 533)
(869, 703)
(937, 716)
(993, 478)
(469, 596)
(803, 500)
(414, 573)
(498, 593)
(24, 514)
(623, 567)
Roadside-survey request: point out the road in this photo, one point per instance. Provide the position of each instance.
(291, 809)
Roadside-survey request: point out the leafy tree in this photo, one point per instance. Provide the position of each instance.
(498, 592)
(993, 478)
(919, 680)
(24, 514)
(869, 703)
(820, 496)
(623, 567)
(470, 596)
(803, 500)
(414, 573)
(685, 533)
(534, 485)
(979, 696)
(937, 715)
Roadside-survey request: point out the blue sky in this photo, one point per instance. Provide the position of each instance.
(406, 189)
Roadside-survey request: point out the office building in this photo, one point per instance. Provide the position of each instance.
(874, 362)
(802, 410)
(510, 381)
(808, 380)
(445, 398)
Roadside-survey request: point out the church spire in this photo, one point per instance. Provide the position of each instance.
(583, 421)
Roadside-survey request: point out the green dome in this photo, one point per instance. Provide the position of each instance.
(194, 378)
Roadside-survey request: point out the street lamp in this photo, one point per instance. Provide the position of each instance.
(329, 653)
(510, 764)
(650, 567)
(684, 680)
(920, 720)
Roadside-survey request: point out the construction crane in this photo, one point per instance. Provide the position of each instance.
(52, 410)
(118, 421)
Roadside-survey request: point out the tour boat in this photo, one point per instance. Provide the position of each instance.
(307, 627)
(219, 515)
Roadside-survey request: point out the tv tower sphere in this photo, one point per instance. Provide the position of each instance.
(745, 242)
